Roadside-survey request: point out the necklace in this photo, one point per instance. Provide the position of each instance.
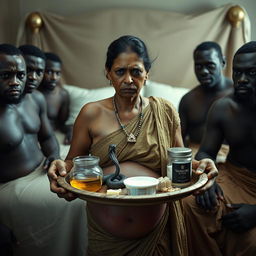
(130, 137)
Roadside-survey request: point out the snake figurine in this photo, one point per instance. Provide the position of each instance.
(114, 180)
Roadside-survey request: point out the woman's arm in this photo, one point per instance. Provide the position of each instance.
(80, 144)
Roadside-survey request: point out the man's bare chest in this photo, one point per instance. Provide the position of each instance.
(241, 130)
(15, 125)
(54, 104)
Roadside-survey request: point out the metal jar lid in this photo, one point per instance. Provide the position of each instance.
(179, 152)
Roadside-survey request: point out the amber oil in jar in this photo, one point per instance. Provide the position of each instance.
(90, 184)
(86, 173)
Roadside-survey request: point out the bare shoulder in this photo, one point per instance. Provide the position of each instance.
(63, 91)
(191, 95)
(92, 110)
(222, 107)
(37, 95)
(39, 98)
(224, 102)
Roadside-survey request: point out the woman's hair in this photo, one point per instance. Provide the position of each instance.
(125, 44)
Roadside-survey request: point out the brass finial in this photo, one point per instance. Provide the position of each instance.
(35, 22)
(235, 15)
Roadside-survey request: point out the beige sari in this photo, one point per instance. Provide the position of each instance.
(160, 122)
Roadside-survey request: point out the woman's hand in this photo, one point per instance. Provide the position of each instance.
(59, 168)
(205, 165)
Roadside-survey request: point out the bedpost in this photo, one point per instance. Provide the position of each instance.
(35, 22)
(235, 15)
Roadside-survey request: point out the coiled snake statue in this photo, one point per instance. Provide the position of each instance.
(114, 180)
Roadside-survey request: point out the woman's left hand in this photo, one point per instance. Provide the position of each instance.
(207, 166)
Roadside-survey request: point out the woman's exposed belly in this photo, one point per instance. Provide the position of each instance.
(128, 221)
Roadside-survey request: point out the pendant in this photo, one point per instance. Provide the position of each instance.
(131, 138)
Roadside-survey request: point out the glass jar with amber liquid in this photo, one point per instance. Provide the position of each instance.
(86, 173)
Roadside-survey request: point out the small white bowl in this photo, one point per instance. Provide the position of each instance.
(141, 185)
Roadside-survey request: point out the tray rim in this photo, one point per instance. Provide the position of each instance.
(125, 200)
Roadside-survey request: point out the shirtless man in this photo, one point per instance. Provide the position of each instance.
(208, 64)
(57, 98)
(35, 63)
(27, 207)
(229, 226)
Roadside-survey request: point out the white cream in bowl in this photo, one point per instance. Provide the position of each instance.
(141, 185)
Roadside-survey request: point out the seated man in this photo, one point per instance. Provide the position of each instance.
(228, 227)
(40, 223)
(35, 62)
(56, 96)
(208, 64)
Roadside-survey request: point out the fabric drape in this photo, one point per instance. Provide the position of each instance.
(82, 40)
(206, 234)
(42, 223)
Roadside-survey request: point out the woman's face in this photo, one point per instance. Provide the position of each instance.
(127, 74)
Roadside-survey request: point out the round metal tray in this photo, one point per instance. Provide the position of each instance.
(122, 200)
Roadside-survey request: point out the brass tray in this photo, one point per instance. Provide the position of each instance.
(126, 200)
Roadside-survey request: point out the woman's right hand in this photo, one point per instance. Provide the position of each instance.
(59, 168)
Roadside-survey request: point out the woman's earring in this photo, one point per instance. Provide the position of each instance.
(110, 83)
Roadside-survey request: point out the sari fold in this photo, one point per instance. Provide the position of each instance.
(238, 185)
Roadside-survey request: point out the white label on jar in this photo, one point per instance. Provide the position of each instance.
(169, 172)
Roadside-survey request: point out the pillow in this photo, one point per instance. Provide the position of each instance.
(168, 92)
(80, 96)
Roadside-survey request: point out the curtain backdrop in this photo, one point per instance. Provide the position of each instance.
(82, 41)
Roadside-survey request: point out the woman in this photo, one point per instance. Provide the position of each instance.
(143, 129)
